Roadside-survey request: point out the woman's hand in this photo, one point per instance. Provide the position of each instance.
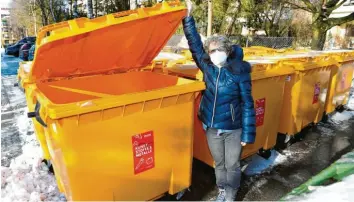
(243, 144)
(189, 7)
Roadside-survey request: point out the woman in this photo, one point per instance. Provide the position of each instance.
(227, 107)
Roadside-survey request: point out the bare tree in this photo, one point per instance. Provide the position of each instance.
(321, 23)
(44, 11)
(51, 10)
(89, 9)
(75, 13)
(230, 17)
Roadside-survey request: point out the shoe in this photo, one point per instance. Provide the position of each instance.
(221, 196)
(230, 194)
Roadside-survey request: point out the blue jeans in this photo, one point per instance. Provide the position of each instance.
(226, 151)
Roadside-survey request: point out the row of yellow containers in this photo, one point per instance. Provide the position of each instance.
(290, 92)
(267, 75)
(102, 125)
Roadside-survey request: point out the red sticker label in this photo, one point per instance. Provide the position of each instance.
(316, 93)
(260, 110)
(143, 150)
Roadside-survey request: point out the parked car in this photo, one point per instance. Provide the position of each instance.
(31, 52)
(14, 49)
(24, 50)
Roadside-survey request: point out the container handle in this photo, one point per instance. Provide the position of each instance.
(36, 114)
(45, 30)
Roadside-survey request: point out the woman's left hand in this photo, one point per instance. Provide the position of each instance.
(243, 144)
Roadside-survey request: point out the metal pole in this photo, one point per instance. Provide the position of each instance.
(210, 16)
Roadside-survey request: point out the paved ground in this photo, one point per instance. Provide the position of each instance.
(273, 178)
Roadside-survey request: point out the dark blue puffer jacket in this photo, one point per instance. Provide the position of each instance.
(227, 101)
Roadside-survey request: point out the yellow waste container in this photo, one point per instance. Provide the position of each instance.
(265, 75)
(115, 132)
(22, 73)
(341, 79)
(22, 76)
(305, 94)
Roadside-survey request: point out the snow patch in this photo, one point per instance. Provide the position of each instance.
(24, 124)
(340, 191)
(27, 178)
(340, 117)
(350, 104)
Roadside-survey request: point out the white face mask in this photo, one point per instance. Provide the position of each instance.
(218, 58)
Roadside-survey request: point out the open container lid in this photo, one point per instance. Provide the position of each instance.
(113, 43)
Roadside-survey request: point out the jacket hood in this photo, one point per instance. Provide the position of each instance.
(235, 63)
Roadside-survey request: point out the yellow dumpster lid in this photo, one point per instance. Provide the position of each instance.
(302, 61)
(267, 68)
(113, 43)
(340, 55)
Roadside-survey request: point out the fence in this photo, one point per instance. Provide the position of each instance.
(270, 42)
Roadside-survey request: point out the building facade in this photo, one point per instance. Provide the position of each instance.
(6, 31)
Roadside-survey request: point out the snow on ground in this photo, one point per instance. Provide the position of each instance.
(23, 176)
(26, 179)
(340, 191)
(350, 104)
(257, 164)
(340, 117)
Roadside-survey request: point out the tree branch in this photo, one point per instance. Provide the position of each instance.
(331, 9)
(309, 5)
(338, 21)
(332, 3)
(295, 6)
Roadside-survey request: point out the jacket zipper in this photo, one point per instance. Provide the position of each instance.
(216, 92)
(232, 112)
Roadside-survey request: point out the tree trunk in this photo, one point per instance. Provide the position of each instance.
(230, 18)
(96, 8)
(210, 17)
(89, 9)
(76, 14)
(71, 8)
(43, 11)
(52, 11)
(318, 37)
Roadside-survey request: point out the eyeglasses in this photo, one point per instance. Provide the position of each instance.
(217, 49)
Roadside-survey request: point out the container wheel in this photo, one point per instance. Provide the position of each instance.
(265, 153)
(340, 108)
(283, 141)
